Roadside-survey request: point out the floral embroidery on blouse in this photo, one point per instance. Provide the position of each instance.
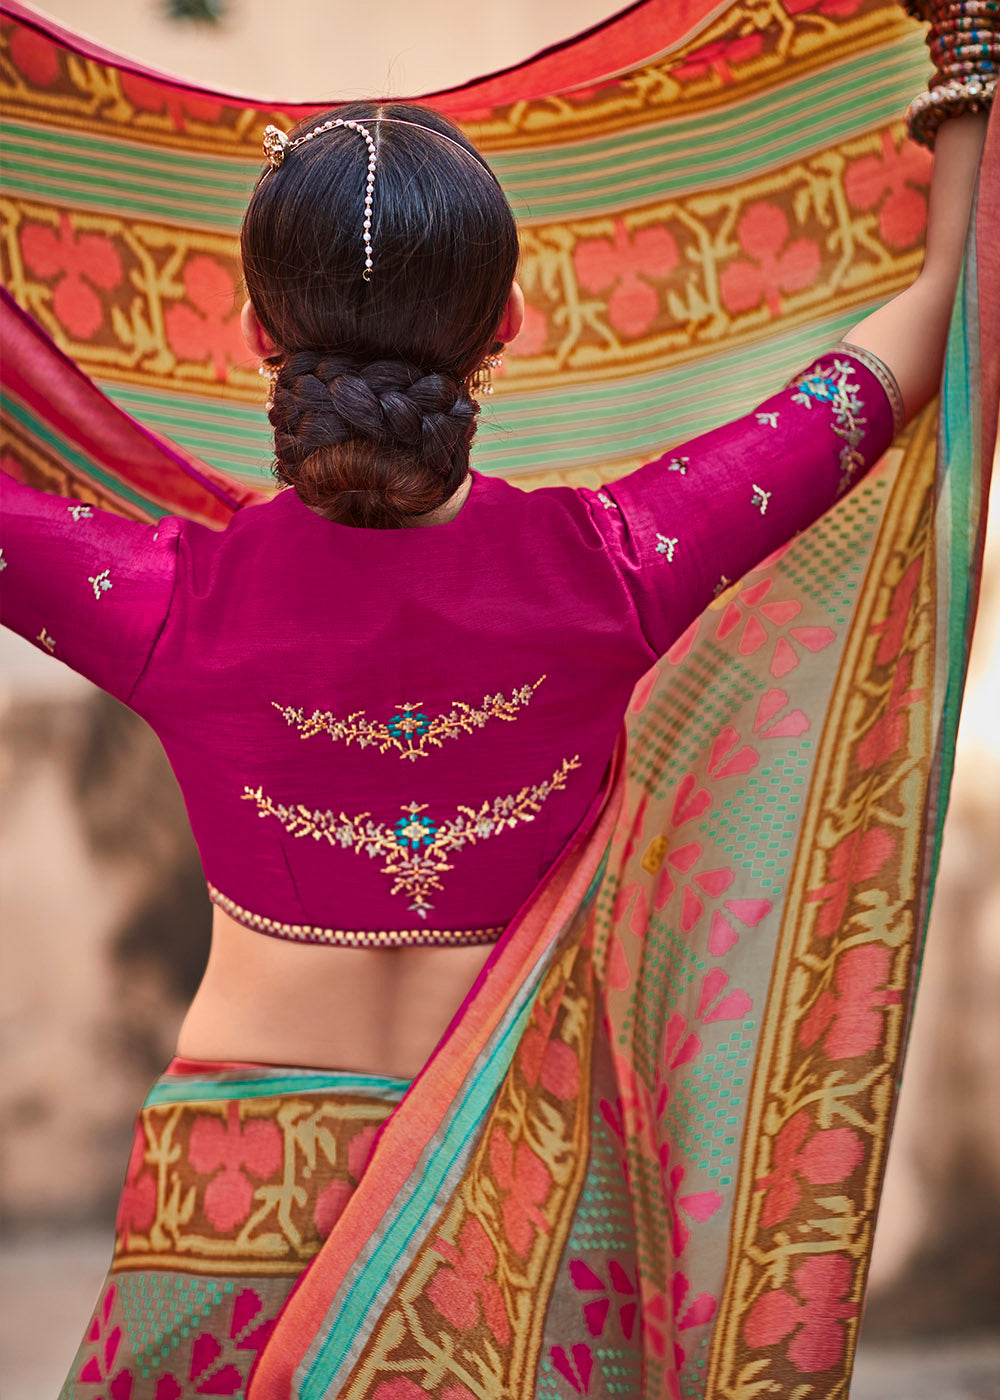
(47, 642)
(416, 847)
(769, 420)
(3, 561)
(835, 387)
(410, 731)
(678, 464)
(606, 501)
(666, 546)
(761, 497)
(100, 582)
(80, 512)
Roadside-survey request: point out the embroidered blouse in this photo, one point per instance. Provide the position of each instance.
(390, 735)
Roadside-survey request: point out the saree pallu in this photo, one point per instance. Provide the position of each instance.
(645, 1159)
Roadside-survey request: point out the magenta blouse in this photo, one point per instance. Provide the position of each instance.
(391, 735)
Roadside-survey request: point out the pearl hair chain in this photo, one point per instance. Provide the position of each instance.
(277, 146)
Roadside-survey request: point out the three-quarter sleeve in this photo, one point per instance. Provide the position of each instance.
(84, 585)
(681, 529)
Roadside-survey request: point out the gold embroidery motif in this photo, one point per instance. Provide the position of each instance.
(416, 847)
(410, 730)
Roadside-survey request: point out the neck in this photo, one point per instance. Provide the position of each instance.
(448, 509)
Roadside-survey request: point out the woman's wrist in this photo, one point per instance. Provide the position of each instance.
(964, 43)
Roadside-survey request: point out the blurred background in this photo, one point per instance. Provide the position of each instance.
(103, 904)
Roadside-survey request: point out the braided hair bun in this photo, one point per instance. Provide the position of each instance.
(370, 445)
(372, 411)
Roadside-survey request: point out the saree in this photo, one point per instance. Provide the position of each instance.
(645, 1158)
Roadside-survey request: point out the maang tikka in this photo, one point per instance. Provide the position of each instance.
(277, 146)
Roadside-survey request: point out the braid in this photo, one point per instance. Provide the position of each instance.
(382, 430)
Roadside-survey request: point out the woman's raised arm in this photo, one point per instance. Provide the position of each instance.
(909, 332)
(89, 587)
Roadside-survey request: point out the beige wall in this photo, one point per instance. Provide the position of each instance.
(320, 49)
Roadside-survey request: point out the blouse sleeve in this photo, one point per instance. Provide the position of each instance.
(684, 527)
(89, 587)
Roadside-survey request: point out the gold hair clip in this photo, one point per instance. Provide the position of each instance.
(276, 143)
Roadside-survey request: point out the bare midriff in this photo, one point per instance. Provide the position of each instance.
(367, 1010)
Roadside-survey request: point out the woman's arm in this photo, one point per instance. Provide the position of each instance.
(88, 587)
(909, 333)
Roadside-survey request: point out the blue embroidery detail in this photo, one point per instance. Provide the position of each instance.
(835, 387)
(414, 831)
(408, 725)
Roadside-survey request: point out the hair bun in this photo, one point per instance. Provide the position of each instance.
(381, 441)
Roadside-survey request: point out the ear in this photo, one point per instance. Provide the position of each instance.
(259, 343)
(513, 316)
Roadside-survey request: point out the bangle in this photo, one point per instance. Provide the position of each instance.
(964, 43)
(929, 110)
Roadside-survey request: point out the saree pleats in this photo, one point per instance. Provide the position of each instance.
(646, 1158)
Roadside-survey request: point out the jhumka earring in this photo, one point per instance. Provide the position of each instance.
(270, 372)
(482, 379)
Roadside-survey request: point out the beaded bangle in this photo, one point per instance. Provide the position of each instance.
(964, 43)
(929, 110)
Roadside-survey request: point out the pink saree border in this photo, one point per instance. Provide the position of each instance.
(49, 382)
(406, 1133)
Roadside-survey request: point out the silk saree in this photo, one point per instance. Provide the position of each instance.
(645, 1159)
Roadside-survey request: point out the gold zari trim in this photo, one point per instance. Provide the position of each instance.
(353, 938)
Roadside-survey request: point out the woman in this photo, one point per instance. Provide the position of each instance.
(396, 735)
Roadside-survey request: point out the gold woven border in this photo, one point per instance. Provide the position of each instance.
(849, 798)
(353, 938)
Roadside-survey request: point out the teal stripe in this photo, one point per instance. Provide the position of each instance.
(196, 1089)
(729, 146)
(960, 446)
(438, 1161)
(133, 198)
(233, 437)
(628, 168)
(449, 1147)
(554, 429)
(645, 414)
(76, 460)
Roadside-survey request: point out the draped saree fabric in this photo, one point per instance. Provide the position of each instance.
(645, 1158)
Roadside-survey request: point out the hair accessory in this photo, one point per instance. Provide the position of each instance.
(964, 43)
(277, 147)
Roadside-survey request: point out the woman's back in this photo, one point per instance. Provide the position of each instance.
(385, 737)
(400, 728)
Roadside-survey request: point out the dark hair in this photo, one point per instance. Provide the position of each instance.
(372, 408)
